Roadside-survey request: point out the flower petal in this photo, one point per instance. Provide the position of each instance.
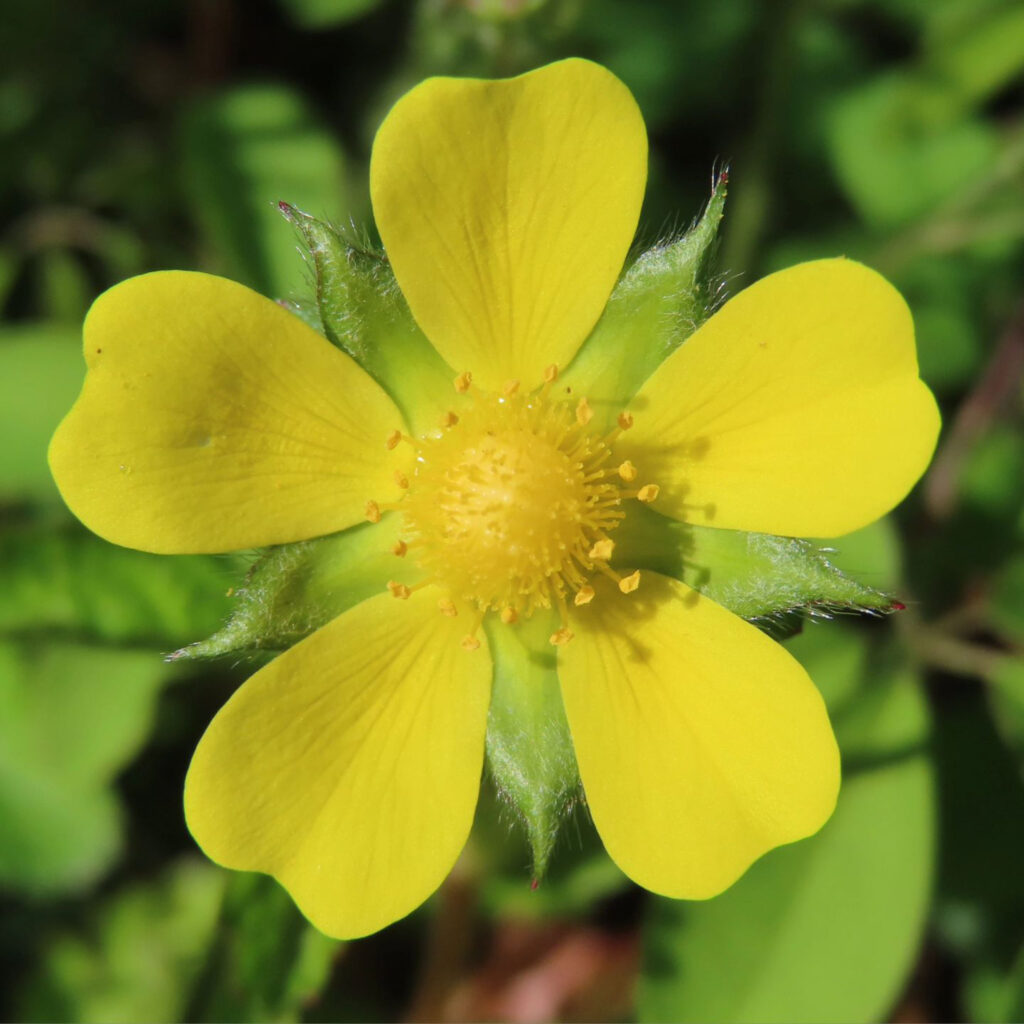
(349, 767)
(507, 208)
(701, 743)
(795, 410)
(212, 420)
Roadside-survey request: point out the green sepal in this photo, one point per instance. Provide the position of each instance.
(755, 575)
(664, 296)
(363, 312)
(294, 589)
(530, 754)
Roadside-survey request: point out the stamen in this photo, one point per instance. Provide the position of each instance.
(648, 493)
(551, 374)
(629, 583)
(602, 550)
(583, 596)
(627, 471)
(509, 615)
(400, 548)
(372, 512)
(584, 414)
(469, 643)
(625, 420)
(510, 388)
(393, 441)
(399, 590)
(561, 637)
(463, 381)
(401, 479)
(447, 607)
(449, 419)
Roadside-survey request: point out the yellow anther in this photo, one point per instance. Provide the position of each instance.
(399, 590)
(648, 492)
(401, 479)
(625, 420)
(463, 381)
(510, 388)
(372, 512)
(400, 548)
(584, 595)
(469, 643)
(584, 414)
(449, 419)
(627, 471)
(447, 607)
(602, 550)
(629, 583)
(561, 637)
(509, 616)
(551, 374)
(394, 440)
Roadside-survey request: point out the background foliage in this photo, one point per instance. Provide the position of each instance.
(143, 136)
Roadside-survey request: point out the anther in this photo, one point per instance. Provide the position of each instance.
(551, 374)
(629, 583)
(584, 595)
(510, 388)
(469, 643)
(449, 419)
(463, 381)
(400, 548)
(627, 471)
(625, 420)
(584, 414)
(602, 549)
(509, 616)
(399, 590)
(648, 493)
(446, 606)
(561, 637)
(401, 479)
(394, 440)
(372, 512)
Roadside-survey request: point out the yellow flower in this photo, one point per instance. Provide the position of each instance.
(212, 420)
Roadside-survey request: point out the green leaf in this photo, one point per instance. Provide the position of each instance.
(529, 749)
(72, 583)
(825, 929)
(1006, 693)
(70, 718)
(41, 372)
(265, 961)
(137, 958)
(364, 313)
(902, 144)
(664, 296)
(294, 589)
(317, 14)
(244, 151)
(754, 575)
(1007, 599)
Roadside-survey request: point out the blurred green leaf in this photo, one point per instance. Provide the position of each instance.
(137, 957)
(992, 478)
(64, 286)
(41, 373)
(1007, 598)
(72, 583)
(871, 554)
(316, 14)
(825, 929)
(70, 718)
(901, 145)
(244, 151)
(1006, 692)
(265, 961)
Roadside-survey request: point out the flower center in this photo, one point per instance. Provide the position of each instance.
(512, 503)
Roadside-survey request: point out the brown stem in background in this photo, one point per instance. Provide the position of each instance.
(997, 385)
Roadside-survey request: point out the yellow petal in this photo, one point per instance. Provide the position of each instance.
(349, 767)
(701, 743)
(507, 208)
(796, 409)
(212, 420)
